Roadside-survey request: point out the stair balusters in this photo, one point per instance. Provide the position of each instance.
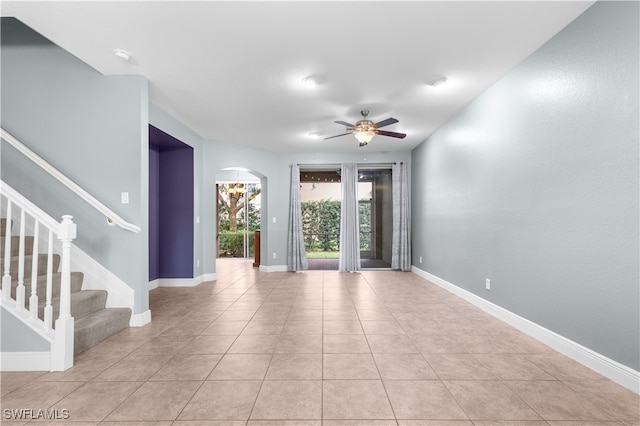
(6, 278)
(33, 300)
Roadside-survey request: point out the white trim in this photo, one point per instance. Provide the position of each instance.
(97, 277)
(25, 361)
(112, 217)
(273, 268)
(609, 368)
(139, 320)
(181, 282)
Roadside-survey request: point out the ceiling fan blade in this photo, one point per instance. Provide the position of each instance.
(337, 136)
(386, 122)
(392, 134)
(344, 123)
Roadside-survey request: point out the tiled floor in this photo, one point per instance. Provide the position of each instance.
(374, 348)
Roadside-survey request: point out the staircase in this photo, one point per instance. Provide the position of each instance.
(93, 321)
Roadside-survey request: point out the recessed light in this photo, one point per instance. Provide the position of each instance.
(437, 81)
(310, 81)
(122, 54)
(314, 135)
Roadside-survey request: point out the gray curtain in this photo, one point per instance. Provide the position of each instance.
(401, 238)
(349, 224)
(296, 256)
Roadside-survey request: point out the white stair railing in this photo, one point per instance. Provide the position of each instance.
(21, 214)
(112, 217)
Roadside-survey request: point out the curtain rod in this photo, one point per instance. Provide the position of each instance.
(333, 166)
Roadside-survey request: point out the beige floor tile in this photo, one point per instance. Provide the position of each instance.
(349, 366)
(187, 367)
(342, 327)
(284, 423)
(258, 344)
(262, 327)
(300, 343)
(243, 315)
(490, 400)
(359, 423)
(355, 399)
(382, 327)
(391, 344)
(95, 400)
(222, 400)
(557, 401)
(616, 400)
(133, 368)
(38, 395)
(404, 367)
(459, 367)
(499, 375)
(302, 327)
(345, 343)
(207, 344)
(288, 400)
(439, 344)
(164, 345)
(186, 328)
(295, 367)
(512, 367)
(156, 401)
(438, 423)
(83, 370)
(241, 367)
(422, 399)
(225, 328)
(348, 314)
(374, 314)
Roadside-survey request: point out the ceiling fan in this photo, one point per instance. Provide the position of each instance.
(364, 130)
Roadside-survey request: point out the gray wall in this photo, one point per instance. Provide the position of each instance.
(92, 128)
(535, 186)
(18, 337)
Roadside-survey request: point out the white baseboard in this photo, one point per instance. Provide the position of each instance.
(25, 361)
(139, 320)
(273, 268)
(181, 282)
(609, 368)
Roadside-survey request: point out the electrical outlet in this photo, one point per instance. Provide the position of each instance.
(274, 254)
(420, 259)
(487, 284)
(198, 263)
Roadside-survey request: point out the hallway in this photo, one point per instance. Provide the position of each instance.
(375, 348)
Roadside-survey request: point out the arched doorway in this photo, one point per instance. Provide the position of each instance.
(239, 205)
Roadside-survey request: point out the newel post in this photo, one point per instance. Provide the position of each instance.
(63, 344)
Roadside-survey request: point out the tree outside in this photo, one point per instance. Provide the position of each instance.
(239, 217)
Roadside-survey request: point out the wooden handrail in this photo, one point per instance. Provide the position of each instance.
(112, 217)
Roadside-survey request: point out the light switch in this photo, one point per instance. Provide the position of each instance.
(124, 198)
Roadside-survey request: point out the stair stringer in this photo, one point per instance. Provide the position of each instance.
(97, 277)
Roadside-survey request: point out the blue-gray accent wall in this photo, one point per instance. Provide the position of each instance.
(535, 186)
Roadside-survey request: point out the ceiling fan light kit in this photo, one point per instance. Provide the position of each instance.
(364, 130)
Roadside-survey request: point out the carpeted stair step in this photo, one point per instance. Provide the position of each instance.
(98, 326)
(42, 265)
(83, 303)
(76, 285)
(3, 226)
(15, 246)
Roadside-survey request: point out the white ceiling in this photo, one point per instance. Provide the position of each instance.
(232, 71)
